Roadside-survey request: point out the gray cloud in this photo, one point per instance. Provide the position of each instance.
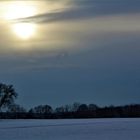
(87, 9)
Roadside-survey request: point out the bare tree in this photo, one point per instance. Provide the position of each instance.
(16, 109)
(7, 95)
(42, 109)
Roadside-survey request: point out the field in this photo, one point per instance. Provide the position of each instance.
(80, 129)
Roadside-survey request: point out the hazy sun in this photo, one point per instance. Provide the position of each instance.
(14, 10)
(24, 30)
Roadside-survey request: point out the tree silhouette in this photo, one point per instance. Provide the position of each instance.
(7, 95)
(83, 108)
(15, 108)
(42, 109)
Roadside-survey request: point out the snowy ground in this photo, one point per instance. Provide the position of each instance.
(80, 129)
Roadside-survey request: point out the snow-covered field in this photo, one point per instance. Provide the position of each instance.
(80, 129)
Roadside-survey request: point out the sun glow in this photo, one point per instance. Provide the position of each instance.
(24, 30)
(14, 10)
(19, 9)
(16, 15)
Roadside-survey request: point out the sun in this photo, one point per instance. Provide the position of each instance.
(13, 11)
(24, 30)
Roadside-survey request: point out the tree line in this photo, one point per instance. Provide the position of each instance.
(75, 110)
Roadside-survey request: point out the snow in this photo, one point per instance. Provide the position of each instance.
(74, 129)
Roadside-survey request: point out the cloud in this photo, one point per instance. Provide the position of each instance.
(82, 9)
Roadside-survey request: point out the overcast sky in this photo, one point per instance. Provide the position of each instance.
(85, 51)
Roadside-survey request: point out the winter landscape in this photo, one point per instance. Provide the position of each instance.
(63, 61)
(80, 129)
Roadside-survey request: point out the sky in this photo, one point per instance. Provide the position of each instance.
(58, 52)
